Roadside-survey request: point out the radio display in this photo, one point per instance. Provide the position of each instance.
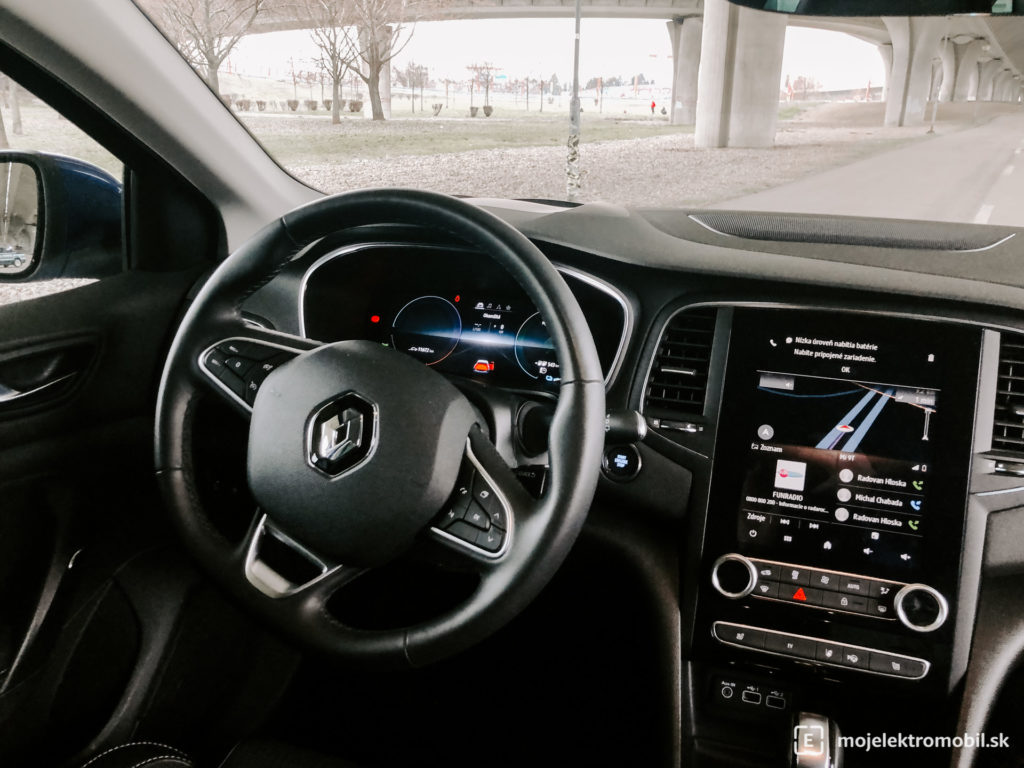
(850, 439)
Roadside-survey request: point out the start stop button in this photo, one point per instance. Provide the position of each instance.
(621, 462)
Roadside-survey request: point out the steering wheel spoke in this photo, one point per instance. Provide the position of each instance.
(278, 566)
(235, 366)
(480, 518)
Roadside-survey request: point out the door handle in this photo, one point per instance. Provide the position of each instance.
(11, 395)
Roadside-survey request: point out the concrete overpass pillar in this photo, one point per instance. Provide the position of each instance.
(986, 79)
(948, 54)
(885, 51)
(999, 85)
(915, 43)
(685, 34)
(740, 70)
(966, 87)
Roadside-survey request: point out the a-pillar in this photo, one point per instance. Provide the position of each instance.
(740, 70)
(915, 43)
(685, 34)
(966, 88)
(989, 70)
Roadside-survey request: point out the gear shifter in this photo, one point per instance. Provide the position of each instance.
(816, 742)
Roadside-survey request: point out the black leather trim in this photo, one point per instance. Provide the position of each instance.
(140, 754)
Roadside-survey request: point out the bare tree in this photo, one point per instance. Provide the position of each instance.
(206, 31)
(327, 20)
(378, 34)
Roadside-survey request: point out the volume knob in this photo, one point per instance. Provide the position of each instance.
(921, 608)
(734, 576)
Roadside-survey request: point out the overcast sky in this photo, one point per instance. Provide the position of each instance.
(541, 47)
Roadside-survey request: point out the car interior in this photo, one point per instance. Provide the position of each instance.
(395, 478)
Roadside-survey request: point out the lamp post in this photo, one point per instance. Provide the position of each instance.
(572, 163)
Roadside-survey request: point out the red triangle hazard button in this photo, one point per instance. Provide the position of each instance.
(799, 595)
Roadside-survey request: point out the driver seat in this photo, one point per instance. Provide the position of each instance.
(248, 754)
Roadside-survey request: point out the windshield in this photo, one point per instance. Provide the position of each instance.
(905, 118)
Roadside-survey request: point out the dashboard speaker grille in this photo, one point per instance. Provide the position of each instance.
(678, 380)
(1008, 432)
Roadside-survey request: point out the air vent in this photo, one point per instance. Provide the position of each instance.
(678, 380)
(1008, 432)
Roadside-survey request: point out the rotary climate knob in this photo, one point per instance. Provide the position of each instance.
(734, 576)
(921, 608)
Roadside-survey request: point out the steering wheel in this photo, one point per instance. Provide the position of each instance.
(358, 453)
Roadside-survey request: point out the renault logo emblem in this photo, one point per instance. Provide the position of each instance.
(341, 434)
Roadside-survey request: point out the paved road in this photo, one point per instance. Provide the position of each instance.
(974, 175)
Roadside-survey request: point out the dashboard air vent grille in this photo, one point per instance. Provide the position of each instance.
(1008, 433)
(678, 380)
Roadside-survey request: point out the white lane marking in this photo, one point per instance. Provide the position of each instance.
(984, 214)
(1007, 170)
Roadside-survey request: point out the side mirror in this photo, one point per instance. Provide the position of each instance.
(59, 217)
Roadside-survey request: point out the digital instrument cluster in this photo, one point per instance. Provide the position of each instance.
(455, 310)
(491, 337)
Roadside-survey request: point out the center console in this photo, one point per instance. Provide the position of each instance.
(835, 523)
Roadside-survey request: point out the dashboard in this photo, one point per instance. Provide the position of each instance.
(823, 454)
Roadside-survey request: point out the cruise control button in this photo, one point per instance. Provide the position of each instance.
(843, 602)
(460, 529)
(790, 575)
(233, 382)
(248, 349)
(800, 647)
(853, 585)
(766, 589)
(451, 516)
(829, 652)
(239, 365)
(476, 516)
(891, 664)
(499, 516)
(215, 361)
(857, 658)
(748, 638)
(483, 494)
(490, 540)
(824, 580)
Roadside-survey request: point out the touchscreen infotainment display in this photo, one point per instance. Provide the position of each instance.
(844, 437)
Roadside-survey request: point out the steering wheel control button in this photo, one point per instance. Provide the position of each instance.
(477, 517)
(921, 608)
(491, 540)
(734, 576)
(239, 365)
(621, 462)
(249, 350)
(460, 529)
(451, 516)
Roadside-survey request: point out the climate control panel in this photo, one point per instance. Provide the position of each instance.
(918, 607)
